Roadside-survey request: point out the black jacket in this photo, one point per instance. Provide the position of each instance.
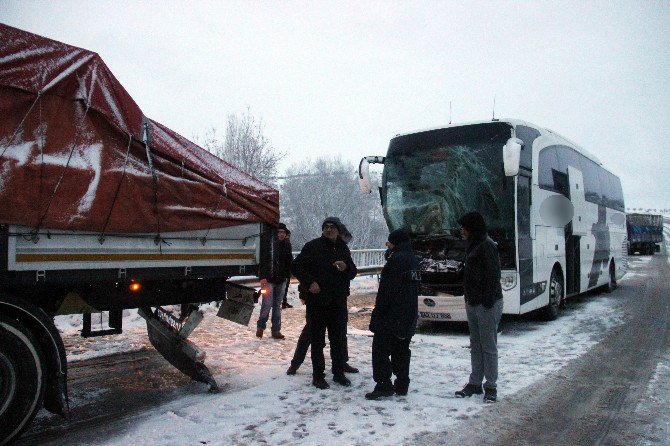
(277, 267)
(315, 264)
(481, 275)
(396, 306)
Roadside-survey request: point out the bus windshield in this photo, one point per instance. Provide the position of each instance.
(434, 177)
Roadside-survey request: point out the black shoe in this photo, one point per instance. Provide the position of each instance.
(376, 394)
(286, 305)
(292, 370)
(401, 392)
(349, 369)
(320, 383)
(342, 380)
(490, 395)
(469, 390)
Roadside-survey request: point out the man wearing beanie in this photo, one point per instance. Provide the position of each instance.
(394, 317)
(274, 275)
(324, 268)
(483, 306)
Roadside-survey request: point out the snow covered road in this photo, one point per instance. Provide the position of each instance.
(262, 405)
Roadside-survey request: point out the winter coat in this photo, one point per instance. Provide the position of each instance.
(481, 275)
(277, 267)
(396, 306)
(315, 264)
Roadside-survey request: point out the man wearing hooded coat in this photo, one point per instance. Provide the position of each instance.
(483, 306)
(324, 268)
(394, 318)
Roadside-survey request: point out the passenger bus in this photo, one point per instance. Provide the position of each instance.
(555, 212)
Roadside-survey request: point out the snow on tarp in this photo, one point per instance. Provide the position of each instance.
(73, 153)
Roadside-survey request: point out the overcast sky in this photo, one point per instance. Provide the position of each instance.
(342, 78)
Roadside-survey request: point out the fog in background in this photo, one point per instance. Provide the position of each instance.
(342, 78)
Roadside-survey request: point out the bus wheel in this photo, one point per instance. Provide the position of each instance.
(551, 311)
(22, 374)
(611, 284)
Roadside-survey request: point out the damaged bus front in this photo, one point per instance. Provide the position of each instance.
(430, 179)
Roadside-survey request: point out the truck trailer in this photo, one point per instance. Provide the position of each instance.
(645, 233)
(104, 209)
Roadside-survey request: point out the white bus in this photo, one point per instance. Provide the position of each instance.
(556, 213)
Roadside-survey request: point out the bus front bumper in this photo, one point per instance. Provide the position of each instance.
(442, 308)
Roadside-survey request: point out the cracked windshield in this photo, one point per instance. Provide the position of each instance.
(434, 177)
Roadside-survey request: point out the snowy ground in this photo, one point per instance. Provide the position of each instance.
(658, 391)
(262, 405)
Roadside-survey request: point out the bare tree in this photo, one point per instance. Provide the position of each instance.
(245, 147)
(325, 187)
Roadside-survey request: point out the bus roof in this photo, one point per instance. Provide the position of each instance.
(515, 122)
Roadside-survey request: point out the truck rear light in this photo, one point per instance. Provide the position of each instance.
(135, 287)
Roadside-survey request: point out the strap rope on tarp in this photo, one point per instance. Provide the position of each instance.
(20, 126)
(101, 238)
(62, 175)
(224, 193)
(158, 240)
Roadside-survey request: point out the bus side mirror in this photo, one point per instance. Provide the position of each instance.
(364, 176)
(511, 156)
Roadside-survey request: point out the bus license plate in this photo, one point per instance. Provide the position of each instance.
(426, 315)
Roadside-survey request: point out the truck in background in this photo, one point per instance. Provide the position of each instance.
(103, 209)
(645, 233)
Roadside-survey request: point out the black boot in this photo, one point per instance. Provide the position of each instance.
(292, 370)
(349, 369)
(490, 395)
(320, 383)
(341, 379)
(469, 390)
(377, 394)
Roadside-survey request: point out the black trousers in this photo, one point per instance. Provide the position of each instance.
(390, 355)
(305, 340)
(322, 319)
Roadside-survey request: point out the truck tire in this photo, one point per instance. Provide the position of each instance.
(556, 295)
(22, 376)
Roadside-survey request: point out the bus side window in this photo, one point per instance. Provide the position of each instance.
(528, 136)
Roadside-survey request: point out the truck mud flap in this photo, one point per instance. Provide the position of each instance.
(181, 353)
(239, 303)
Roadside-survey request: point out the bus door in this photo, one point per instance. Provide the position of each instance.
(572, 261)
(575, 230)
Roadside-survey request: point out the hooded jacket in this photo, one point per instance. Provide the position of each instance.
(481, 275)
(315, 264)
(396, 305)
(277, 268)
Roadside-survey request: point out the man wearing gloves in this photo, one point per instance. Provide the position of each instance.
(324, 268)
(483, 306)
(394, 317)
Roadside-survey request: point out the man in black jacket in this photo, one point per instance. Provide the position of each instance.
(483, 305)
(394, 317)
(324, 267)
(274, 275)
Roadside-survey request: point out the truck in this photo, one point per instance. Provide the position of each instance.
(645, 232)
(103, 209)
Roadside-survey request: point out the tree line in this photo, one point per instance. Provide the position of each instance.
(310, 189)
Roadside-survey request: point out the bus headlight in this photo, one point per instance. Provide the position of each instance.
(508, 281)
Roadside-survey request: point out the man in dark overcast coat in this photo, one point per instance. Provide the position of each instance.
(324, 268)
(394, 317)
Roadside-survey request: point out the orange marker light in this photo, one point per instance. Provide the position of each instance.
(264, 291)
(135, 286)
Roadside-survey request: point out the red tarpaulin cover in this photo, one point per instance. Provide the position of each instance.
(73, 153)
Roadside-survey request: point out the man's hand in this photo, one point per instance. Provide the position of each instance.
(340, 265)
(314, 288)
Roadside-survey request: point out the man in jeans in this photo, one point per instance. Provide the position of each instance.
(274, 275)
(483, 305)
